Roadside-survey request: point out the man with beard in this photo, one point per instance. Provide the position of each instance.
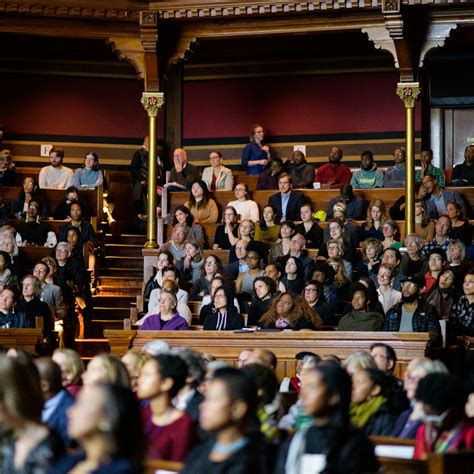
(412, 314)
(368, 177)
(56, 176)
(302, 174)
(463, 174)
(333, 174)
(395, 175)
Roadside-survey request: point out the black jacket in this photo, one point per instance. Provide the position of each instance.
(381, 423)
(295, 202)
(208, 318)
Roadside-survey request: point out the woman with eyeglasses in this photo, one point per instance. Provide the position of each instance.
(217, 176)
(222, 315)
(212, 266)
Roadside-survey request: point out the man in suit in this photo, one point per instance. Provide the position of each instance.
(287, 203)
(57, 400)
(437, 199)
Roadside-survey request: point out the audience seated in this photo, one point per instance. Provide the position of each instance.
(227, 233)
(256, 154)
(372, 250)
(191, 265)
(413, 263)
(394, 176)
(375, 221)
(282, 246)
(264, 290)
(106, 369)
(7, 168)
(268, 179)
(194, 232)
(10, 315)
(221, 314)
(387, 294)
(461, 229)
(168, 318)
(34, 232)
(183, 174)
(217, 177)
(293, 275)
(56, 176)
(202, 206)
(333, 174)
(424, 227)
(89, 177)
(302, 173)
(309, 228)
(462, 314)
(390, 230)
(176, 245)
(463, 174)
(427, 169)
(267, 230)
(368, 177)
(72, 367)
(244, 282)
(437, 198)
(441, 238)
(212, 267)
(287, 203)
(5, 272)
(245, 207)
(62, 210)
(354, 204)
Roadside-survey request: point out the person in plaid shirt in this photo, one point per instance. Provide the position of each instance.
(441, 239)
(412, 314)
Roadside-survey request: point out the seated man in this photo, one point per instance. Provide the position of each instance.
(412, 314)
(333, 174)
(240, 265)
(10, 318)
(463, 174)
(62, 211)
(287, 203)
(441, 239)
(354, 205)
(427, 169)
(183, 174)
(7, 169)
(392, 257)
(394, 176)
(302, 173)
(368, 177)
(176, 244)
(437, 199)
(269, 178)
(34, 232)
(56, 176)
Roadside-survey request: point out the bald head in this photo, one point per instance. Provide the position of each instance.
(263, 357)
(180, 155)
(50, 376)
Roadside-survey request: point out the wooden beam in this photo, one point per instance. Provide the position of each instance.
(173, 111)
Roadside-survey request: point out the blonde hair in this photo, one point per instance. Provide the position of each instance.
(116, 371)
(73, 364)
(359, 360)
(381, 206)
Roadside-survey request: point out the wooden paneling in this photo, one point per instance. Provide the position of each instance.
(21, 338)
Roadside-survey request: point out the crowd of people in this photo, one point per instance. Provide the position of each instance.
(177, 404)
(59, 287)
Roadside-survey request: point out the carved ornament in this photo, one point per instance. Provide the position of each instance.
(380, 36)
(436, 37)
(152, 102)
(131, 50)
(408, 92)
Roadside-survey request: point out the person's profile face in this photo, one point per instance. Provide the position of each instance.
(314, 394)
(216, 411)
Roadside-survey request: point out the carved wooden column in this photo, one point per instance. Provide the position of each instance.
(409, 92)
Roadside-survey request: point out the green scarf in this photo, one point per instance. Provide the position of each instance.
(361, 414)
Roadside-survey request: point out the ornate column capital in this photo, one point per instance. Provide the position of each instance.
(408, 92)
(152, 102)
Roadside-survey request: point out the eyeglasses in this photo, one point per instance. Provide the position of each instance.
(310, 290)
(39, 270)
(33, 207)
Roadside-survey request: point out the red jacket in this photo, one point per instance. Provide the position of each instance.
(340, 174)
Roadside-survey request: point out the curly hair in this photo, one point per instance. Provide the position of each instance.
(299, 310)
(379, 204)
(372, 242)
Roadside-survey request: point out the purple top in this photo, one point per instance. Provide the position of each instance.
(153, 323)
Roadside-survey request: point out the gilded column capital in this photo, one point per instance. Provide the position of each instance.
(408, 92)
(152, 102)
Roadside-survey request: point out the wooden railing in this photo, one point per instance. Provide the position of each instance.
(21, 338)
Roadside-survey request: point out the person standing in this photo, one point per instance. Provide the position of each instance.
(139, 170)
(256, 154)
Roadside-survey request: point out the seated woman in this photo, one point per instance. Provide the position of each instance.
(339, 211)
(461, 229)
(314, 296)
(221, 315)
(30, 191)
(7, 169)
(309, 228)
(372, 249)
(170, 433)
(360, 318)
(245, 207)
(282, 247)
(247, 232)
(202, 206)
(228, 415)
(340, 283)
(244, 283)
(443, 294)
(120, 447)
(335, 250)
(387, 295)
(227, 233)
(293, 275)
(76, 214)
(357, 361)
(106, 368)
(290, 312)
(326, 397)
(8, 244)
(72, 367)
(457, 261)
(191, 265)
(337, 231)
(324, 274)
(371, 403)
(73, 238)
(89, 177)
(212, 266)
(412, 262)
(390, 230)
(164, 259)
(372, 228)
(424, 227)
(410, 420)
(216, 282)
(256, 154)
(267, 231)
(194, 232)
(31, 446)
(217, 177)
(264, 290)
(446, 428)
(168, 318)
(274, 271)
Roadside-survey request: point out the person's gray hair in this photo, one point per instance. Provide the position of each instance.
(156, 347)
(195, 363)
(215, 365)
(36, 284)
(417, 238)
(462, 250)
(64, 246)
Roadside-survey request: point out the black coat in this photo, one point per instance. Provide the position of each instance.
(208, 318)
(382, 422)
(295, 202)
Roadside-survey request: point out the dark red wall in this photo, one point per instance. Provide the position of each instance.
(54, 105)
(356, 103)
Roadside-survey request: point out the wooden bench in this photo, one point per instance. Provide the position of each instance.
(30, 256)
(319, 198)
(227, 345)
(21, 338)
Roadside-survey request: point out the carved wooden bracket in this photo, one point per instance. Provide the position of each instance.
(435, 38)
(380, 36)
(131, 50)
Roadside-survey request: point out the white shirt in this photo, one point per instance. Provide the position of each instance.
(246, 209)
(56, 178)
(389, 299)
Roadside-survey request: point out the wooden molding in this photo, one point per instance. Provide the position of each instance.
(436, 37)
(131, 50)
